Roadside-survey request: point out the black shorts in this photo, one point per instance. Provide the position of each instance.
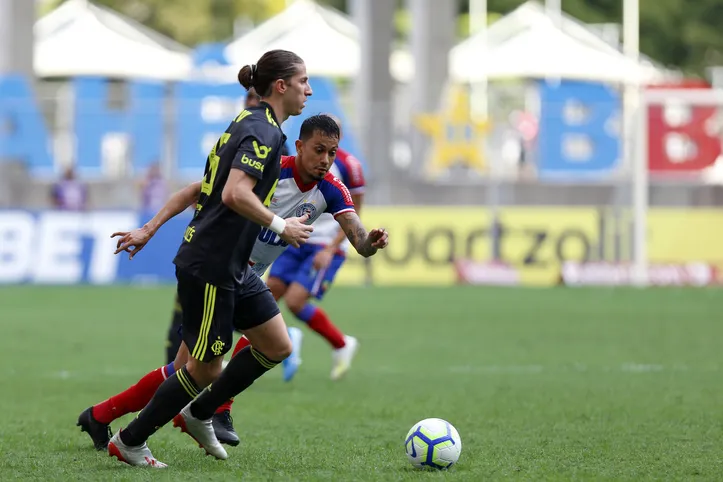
(211, 314)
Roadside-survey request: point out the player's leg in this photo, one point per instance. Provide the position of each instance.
(258, 316)
(278, 288)
(173, 343)
(282, 271)
(208, 334)
(96, 420)
(279, 285)
(222, 420)
(311, 283)
(270, 344)
(280, 275)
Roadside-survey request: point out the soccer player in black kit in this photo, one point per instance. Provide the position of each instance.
(216, 289)
(173, 340)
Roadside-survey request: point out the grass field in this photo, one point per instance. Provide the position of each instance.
(558, 384)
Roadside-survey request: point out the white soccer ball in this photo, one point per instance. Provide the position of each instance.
(433, 443)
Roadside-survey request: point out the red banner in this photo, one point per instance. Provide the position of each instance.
(682, 138)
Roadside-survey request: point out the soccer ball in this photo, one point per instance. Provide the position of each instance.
(434, 443)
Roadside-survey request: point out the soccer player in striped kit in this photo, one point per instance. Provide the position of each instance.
(301, 274)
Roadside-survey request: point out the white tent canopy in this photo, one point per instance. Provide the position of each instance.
(325, 38)
(80, 38)
(526, 43)
(544, 50)
(286, 21)
(532, 13)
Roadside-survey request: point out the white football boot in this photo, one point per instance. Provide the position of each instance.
(140, 455)
(341, 359)
(201, 431)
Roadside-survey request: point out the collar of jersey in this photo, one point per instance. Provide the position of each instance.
(297, 178)
(266, 105)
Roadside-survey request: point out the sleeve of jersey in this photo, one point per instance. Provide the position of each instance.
(338, 198)
(354, 175)
(254, 152)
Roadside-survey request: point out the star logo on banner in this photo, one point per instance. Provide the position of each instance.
(456, 137)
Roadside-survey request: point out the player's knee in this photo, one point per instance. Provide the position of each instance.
(295, 304)
(277, 349)
(181, 357)
(282, 350)
(277, 287)
(204, 373)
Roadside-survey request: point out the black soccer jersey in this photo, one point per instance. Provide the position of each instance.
(218, 242)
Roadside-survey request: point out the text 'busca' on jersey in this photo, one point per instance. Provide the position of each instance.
(218, 242)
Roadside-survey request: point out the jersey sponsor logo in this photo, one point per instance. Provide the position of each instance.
(269, 237)
(306, 208)
(262, 151)
(252, 163)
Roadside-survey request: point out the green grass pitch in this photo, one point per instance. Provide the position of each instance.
(542, 384)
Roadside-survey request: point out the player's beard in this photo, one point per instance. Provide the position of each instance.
(319, 177)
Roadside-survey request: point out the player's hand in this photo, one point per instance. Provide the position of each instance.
(322, 260)
(379, 238)
(132, 241)
(296, 231)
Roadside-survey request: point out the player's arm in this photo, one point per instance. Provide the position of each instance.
(365, 243)
(340, 204)
(352, 175)
(341, 235)
(176, 204)
(238, 193)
